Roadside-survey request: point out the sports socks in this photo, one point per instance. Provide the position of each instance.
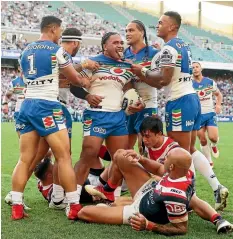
(109, 187)
(206, 151)
(17, 197)
(104, 154)
(202, 165)
(58, 193)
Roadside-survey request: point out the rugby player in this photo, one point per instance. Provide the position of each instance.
(107, 120)
(139, 52)
(16, 87)
(183, 110)
(206, 88)
(41, 113)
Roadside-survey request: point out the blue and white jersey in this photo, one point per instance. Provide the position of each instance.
(40, 63)
(148, 93)
(108, 81)
(17, 87)
(177, 54)
(205, 89)
(64, 92)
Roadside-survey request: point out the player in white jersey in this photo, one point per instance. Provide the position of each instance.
(107, 120)
(183, 109)
(41, 113)
(206, 88)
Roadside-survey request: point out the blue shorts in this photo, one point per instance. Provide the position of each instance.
(16, 115)
(183, 114)
(46, 117)
(135, 120)
(104, 124)
(209, 119)
(67, 120)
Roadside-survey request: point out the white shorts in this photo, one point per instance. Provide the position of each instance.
(130, 210)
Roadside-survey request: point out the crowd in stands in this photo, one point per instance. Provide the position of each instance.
(76, 106)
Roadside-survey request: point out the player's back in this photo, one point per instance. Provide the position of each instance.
(177, 54)
(39, 63)
(169, 200)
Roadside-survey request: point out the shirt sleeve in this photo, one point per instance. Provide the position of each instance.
(63, 58)
(176, 211)
(168, 56)
(86, 73)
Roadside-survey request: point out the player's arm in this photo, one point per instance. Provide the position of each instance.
(128, 86)
(150, 165)
(139, 223)
(66, 68)
(219, 99)
(161, 78)
(87, 64)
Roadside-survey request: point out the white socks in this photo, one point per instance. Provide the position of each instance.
(72, 197)
(17, 197)
(206, 151)
(58, 193)
(202, 165)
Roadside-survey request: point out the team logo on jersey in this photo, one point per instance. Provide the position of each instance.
(166, 57)
(48, 122)
(117, 71)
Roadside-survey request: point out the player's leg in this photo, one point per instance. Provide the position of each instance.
(205, 211)
(121, 167)
(202, 165)
(213, 135)
(105, 215)
(205, 147)
(131, 119)
(132, 140)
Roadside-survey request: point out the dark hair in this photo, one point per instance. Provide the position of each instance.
(71, 32)
(154, 124)
(175, 16)
(42, 168)
(142, 27)
(49, 20)
(106, 37)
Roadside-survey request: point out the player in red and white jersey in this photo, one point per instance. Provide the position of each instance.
(157, 206)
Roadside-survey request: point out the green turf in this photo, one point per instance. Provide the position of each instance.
(44, 223)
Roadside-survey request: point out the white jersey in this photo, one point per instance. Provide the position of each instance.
(40, 63)
(176, 54)
(205, 89)
(108, 81)
(64, 94)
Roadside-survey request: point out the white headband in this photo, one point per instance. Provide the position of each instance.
(71, 38)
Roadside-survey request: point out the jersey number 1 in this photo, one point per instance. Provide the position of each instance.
(32, 70)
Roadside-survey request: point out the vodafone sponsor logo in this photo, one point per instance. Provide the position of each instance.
(114, 78)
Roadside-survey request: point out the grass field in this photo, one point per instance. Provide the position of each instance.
(46, 223)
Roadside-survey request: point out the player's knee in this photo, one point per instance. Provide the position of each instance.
(213, 139)
(118, 155)
(203, 141)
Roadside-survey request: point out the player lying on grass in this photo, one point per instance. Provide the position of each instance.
(125, 167)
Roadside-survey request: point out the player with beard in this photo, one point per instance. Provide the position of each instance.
(206, 88)
(183, 109)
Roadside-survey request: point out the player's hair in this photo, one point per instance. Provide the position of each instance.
(197, 63)
(175, 16)
(106, 37)
(42, 168)
(154, 124)
(47, 21)
(142, 27)
(70, 34)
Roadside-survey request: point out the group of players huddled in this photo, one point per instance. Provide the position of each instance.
(161, 177)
